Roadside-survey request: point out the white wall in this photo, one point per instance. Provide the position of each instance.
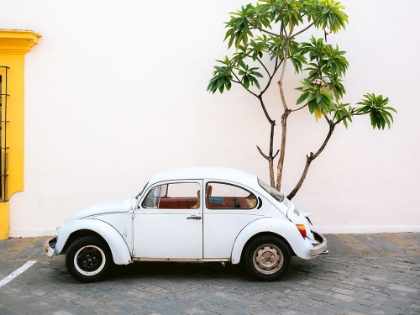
(116, 90)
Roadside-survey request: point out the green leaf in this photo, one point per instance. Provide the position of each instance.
(220, 82)
(380, 115)
(245, 82)
(311, 96)
(302, 98)
(318, 98)
(221, 88)
(311, 106)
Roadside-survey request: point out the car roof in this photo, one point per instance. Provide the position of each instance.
(206, 172)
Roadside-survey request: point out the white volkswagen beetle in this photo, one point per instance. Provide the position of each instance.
(192, 214)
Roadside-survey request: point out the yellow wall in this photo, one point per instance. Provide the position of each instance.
(14, 44)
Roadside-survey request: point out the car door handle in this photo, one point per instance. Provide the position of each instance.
(194, 217)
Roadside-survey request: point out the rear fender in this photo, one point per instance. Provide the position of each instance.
(119, 249)
(281, 227)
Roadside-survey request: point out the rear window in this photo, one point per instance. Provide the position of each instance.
(272, 191)
(227, 196)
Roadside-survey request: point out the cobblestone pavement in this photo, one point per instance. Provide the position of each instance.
(363, 274)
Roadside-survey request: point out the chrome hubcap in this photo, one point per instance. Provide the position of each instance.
(268, 259)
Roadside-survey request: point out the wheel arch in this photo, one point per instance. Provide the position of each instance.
(264, 226)
(73, 230)
(266, 234)
(80, 233)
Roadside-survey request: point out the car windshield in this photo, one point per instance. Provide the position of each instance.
(141, 191)
(276, 194)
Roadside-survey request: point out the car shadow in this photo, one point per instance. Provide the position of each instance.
(176, 270)
(188, 271)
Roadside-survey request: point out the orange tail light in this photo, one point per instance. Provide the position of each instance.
(302, 229)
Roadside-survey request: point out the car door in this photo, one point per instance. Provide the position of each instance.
(228, 208)
(168, 222)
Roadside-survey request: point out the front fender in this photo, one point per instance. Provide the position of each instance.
(281, 227)
(119, 249)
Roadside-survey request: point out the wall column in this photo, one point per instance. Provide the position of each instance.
(14, 44)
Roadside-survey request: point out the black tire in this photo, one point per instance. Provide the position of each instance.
(267, 258)
(88, 259)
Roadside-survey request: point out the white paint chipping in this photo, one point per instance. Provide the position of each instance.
(17, 272)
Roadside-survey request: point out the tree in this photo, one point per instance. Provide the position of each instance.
(262, 53)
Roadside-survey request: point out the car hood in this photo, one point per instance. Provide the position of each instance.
(109, 206)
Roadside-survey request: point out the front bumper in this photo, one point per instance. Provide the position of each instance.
(321, 247)
(49, 246)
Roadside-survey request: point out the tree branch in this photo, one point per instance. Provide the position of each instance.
(276, 68)
(267, 115)
(270, 156)
(324, 144)
(263, 65)
(351, 113)
(264, 31)
(328, 120)
(295, 110)
(262, 153)
(309, 159)
(304, 30)
(240, 82)
(283, 71)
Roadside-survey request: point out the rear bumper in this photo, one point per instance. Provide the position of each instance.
(49, 246)
(321, 247)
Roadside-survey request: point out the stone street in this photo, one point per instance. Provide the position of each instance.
(363, 274)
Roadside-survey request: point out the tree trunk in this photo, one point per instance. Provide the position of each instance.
(283, 119)
(282, 149)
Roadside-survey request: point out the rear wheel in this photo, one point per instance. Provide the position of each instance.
(267, 258)
(88, 259)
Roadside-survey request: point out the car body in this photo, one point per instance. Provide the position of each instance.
(190, 214)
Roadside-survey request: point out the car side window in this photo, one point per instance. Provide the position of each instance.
(173, 196)
(227, 196)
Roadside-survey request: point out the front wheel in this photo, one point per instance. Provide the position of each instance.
(88, 259)
(267, 258)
